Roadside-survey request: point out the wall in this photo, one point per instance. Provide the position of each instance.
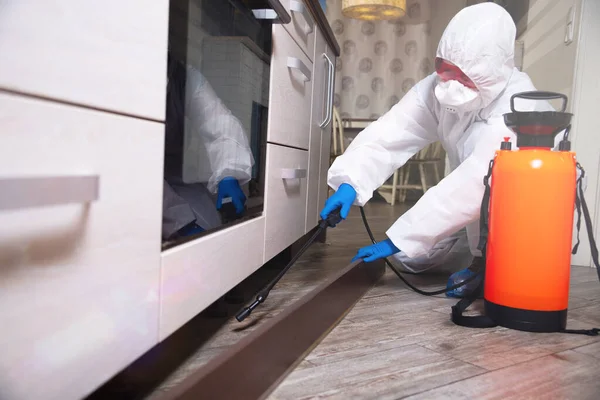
(184, 30)
(585, 102)
(547, 59)
(239, 74)
(380, 60)
(235, 67)
(570, 69)
(442, 12)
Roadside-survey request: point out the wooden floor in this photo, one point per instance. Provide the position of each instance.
(397, 344)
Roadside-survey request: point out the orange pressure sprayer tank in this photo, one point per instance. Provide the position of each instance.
(531, 210)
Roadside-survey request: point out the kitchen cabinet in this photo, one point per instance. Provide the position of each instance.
(285, 207)
(108, 55)
(80, 206)
(85, 287)
(302, 27)
(320, 130)
(199, 272)
(291, 89)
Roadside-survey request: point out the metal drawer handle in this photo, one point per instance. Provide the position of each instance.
(330, 83)
(295, 63)
(18, 193)
(277, 14)
(298, 7)
(293, 173)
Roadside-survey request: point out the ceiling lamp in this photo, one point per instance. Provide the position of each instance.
(371, 10)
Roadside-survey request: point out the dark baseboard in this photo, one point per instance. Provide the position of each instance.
(253, 367)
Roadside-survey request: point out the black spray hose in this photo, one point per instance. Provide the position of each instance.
(399, 273)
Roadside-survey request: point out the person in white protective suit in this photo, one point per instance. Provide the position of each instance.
(207, 153)
(462, 106)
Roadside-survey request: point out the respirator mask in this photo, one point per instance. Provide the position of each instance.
(456, 97)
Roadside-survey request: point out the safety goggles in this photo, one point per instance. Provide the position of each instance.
(448, 71)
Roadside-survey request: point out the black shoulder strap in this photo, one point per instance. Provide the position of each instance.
(582, 206)
(479, 321)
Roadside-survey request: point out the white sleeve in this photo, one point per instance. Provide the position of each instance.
(454, 202)
(221, 133)
(385, 145)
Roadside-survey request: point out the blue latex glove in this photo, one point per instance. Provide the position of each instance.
(230, 187)
(459, 277)
(344, 197)
(376, 251)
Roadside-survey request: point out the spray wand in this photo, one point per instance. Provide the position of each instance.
(332, 220)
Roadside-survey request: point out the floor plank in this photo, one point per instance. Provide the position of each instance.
(591, 349)
(391, 320)
(565, 375)
(384, 373)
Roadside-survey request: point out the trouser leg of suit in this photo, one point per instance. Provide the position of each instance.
(185, 204)
(177, 213)
(452, 254)
(202, 203)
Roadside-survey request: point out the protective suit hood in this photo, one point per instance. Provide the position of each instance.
(480, 40)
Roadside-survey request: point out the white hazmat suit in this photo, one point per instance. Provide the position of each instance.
(480, 41)
(204, 143)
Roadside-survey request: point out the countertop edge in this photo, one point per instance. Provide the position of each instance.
(319, 16)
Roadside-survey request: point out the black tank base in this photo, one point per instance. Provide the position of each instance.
(526, 320)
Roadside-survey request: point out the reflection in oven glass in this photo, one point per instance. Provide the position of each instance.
(216, 113)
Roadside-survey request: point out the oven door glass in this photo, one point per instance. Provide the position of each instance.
(216, 114)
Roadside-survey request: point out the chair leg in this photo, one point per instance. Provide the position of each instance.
(405, 182)
(436, 170)
(401, 173)
(423, 178)
(394, 185)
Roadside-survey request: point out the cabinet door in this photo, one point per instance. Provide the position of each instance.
(108, 54)
(285, 197)
(80, 217)
(326, 138)
(319, 117)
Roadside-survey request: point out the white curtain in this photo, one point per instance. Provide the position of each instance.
(380, 60)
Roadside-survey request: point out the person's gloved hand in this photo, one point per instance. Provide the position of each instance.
(376, 251)
(230, 187)
(343, 198)
(467, 288)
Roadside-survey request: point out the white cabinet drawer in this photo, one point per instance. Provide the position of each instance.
(108, 54)
(78, 280)
(290, 92)
(285, 197)
(303, 27)
(196, 274)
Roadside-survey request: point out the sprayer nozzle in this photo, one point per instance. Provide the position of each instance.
(243, 314)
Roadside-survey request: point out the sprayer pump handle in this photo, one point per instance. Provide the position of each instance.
(539, 95)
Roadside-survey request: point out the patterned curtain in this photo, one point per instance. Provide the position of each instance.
(380, 60)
